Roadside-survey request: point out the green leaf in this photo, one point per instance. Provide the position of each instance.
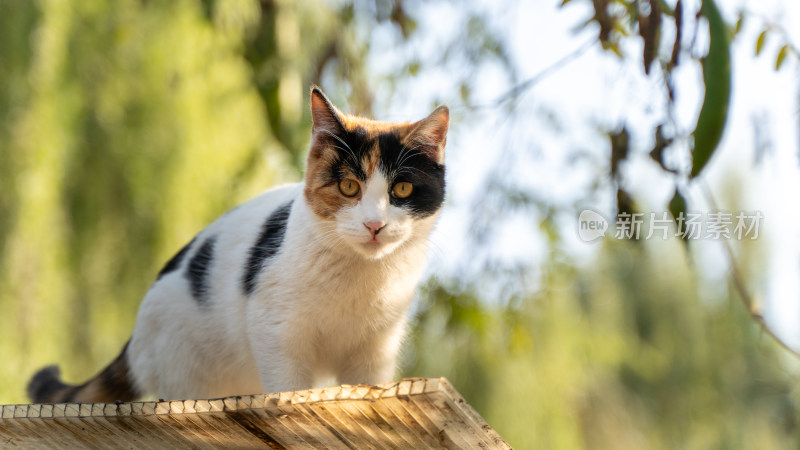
(677, 207)
(465, 92)
(782, 56)
(619, 149)
(739, 23)
(657, 153)
(625, 203)
(760, 41)
(717, 81)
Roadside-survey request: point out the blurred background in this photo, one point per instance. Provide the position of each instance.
(126, 126)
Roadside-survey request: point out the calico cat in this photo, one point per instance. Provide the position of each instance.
(305, 283)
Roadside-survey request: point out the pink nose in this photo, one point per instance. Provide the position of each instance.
(375, 226)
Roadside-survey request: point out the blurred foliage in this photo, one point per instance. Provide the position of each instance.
(650, 21)
(127, 126)
(123, 125)
(621, 353)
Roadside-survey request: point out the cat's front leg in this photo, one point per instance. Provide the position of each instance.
(372, 363)
(279, 364)
(280, 372)
(283, 375)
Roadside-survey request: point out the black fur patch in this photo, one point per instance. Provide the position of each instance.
(353, 149)
(173, 263)
(405, 163)
(197, 270)
(267, 245)
(115, 381)
(46, 385)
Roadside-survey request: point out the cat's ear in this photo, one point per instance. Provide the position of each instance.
(326, 118)
(430, 133)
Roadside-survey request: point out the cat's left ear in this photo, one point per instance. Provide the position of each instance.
(430, 133)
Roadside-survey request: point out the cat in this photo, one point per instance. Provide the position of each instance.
(305, 283)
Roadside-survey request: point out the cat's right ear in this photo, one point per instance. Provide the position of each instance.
(325, 116)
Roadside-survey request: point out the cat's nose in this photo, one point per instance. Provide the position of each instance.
(375, 226)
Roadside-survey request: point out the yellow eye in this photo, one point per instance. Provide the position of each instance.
(402, 189)
(349, 187)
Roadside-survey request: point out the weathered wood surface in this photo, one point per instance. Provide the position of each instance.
(412, 413)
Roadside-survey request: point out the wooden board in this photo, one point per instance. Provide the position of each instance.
(407, 414)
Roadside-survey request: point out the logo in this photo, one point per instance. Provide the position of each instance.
(591, 225)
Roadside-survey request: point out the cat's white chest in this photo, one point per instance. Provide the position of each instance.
(342, 303)
(330, 305)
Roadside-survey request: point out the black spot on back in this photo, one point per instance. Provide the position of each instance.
(173, 263)
(406, 163)
(267, 245)
(197, 270)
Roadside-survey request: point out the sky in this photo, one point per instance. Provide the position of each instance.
(554, 142)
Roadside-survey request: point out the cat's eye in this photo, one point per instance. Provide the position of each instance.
(349, 187)
(402, 189)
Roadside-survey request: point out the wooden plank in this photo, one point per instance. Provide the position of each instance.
(165, 436)
(184, 427)
(18, 434)
(411, 413)
(344, 431)
(275, 421)
(253, 423)
(406, 435)
(217, 425)
(467, 410)
(392, 435)
(415, 427)
(213, 434)
(299, 424)
(138, 431)
(454, 432)
(356, 425)
(419, 416)
(86, 432)
(371, 427)
(230, 433)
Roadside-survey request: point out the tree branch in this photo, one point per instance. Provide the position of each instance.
(532, 81)
(739, 283)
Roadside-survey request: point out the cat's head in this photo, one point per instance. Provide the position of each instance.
(376, 185)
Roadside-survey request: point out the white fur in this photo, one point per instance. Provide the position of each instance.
(329, 305)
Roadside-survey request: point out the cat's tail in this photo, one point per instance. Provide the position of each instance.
(113, 383)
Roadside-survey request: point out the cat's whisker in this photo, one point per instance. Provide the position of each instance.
(336, 244)
(436, 248)
(409, 169)
(337, 138)
(404, 156)
(349, 153)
